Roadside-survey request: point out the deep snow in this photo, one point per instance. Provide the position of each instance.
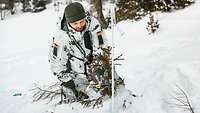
(153, 66)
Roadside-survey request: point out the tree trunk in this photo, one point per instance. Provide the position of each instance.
(11, 6)
(98, 6)
(2, 10)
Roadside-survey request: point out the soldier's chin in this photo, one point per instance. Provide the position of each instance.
(79, 30)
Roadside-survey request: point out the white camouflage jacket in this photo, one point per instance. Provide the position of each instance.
(65, 57)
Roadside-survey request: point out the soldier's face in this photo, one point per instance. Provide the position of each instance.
(79, 25)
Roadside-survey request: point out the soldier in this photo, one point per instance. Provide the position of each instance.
(77, 40)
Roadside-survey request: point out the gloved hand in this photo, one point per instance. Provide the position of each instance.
(89, 59)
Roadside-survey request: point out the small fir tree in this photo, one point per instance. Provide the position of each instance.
(99, 79)
(152, 24)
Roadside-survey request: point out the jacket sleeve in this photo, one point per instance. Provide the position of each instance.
(58, 58)
(99, 38)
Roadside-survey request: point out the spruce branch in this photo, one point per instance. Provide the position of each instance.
(98, 102)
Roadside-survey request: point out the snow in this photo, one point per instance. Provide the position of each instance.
(153, 66)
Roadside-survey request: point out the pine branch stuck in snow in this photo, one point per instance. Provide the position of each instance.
(119, 58)
(181, 100)
(94, 102)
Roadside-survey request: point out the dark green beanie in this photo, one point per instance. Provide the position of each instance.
(74, 12)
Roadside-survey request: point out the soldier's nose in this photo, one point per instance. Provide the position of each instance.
(79, 25)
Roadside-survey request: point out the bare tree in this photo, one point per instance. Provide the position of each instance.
(7, 5)
(98, 6)
(2, 10)
(11, 4)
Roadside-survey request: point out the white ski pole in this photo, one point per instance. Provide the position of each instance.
(112, 26)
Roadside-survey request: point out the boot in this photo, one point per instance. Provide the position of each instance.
(71, 85)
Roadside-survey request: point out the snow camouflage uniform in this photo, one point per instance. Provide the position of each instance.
(73, 55)
(72, 51)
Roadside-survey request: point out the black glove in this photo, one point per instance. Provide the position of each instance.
(89, 59)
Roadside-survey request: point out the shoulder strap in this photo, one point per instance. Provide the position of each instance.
(88, 41)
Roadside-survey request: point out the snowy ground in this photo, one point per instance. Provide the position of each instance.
(153, 65)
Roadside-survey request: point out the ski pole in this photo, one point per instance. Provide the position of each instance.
(112, 26)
